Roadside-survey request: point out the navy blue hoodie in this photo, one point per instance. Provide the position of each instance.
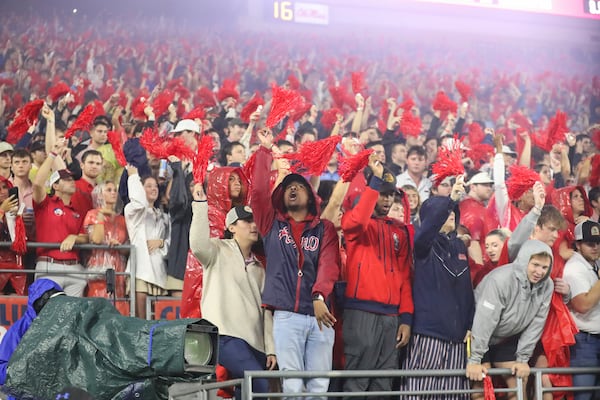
(442, 289)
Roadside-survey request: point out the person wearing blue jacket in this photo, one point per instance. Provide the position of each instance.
(13, 336)
(443, 298)
(303, 258)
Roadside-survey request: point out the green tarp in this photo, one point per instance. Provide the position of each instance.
(86, 343)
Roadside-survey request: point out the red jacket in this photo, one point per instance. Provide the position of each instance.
(378, 268)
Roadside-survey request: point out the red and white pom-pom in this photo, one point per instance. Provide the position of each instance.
(520, 181)
(26, 116)
(202, 158)
(349, 167)
(19, 245)
(283, 101)
(449, 162)
(314, 156)
(114, 138)
(248, 167)
(464, 90)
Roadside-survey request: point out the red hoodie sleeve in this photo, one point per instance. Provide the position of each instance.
(355, 221)
(260, 198)
(328, 270)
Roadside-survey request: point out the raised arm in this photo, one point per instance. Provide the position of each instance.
(264, 213)
(200, 243)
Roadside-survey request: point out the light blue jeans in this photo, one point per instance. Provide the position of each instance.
(301, 346)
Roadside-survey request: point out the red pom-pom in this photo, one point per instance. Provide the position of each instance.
(300, 111)
(138, 105)
(480, 153)
(206, 97)
(178, 148)
(348, 167)
(57, 91)
(329, 118)
(522, 121)
(449, 162)
(26, 116)
(84, 120)
(161, 103)
(202, 158)
(595, 135)
(476, 134)
(358, 83)
(314, 156)
(251, 106)
(410, 124)
(338, 95)
(293, 82)
(248, 167)
(464, 90)
(521, 180)
(114, 138)
(154, 144)
(196, 113)
(488, 389)
(19, 245)
(283, 101)
(595, 171)
(557, 129)
(555, 133)
(443, 103)
(228, 90)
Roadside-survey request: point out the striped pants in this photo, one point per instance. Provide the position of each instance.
(426, 352)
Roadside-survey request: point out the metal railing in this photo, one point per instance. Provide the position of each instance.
(132, 263)
(203, 391)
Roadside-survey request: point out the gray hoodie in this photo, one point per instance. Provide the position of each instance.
(507, 304)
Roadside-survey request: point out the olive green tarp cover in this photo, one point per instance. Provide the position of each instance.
(86, 343)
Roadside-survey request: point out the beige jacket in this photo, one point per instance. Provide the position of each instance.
(232, 288)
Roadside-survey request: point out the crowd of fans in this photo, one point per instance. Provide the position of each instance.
(402, 250)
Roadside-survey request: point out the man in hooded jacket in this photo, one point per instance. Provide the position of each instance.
(303, 258)
(512, 304)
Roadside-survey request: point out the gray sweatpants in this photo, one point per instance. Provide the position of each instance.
(369, 344)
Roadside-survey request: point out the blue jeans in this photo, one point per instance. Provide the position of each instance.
(237, 356)
(585, 353)
(301, 346)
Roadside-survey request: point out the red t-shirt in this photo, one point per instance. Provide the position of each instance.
(82, 198)
(55, 221)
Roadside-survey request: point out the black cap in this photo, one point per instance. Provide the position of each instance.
(388, 184)
(587, 231)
